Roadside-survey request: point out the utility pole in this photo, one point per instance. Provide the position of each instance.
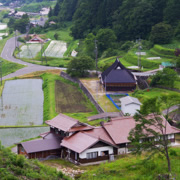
(1, 71)
(15, 38)
(139, 53)
(96, 53)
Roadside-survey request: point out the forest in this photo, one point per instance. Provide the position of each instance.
(128, 19)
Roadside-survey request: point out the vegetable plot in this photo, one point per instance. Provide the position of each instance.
(22, 103)
(29, 50)
(56, 49)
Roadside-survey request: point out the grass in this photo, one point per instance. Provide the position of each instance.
(17, 167)
(131, 167)
(143, 95)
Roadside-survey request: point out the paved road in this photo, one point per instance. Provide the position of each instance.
(7, 54)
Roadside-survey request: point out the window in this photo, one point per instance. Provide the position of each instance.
(92, 155)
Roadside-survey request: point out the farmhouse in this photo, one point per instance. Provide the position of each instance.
(36, 39)
(118, 78)
(81, 143)
(129, 105)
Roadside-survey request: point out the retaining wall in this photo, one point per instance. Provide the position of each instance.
(84, 89)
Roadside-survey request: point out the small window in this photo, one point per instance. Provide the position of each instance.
(92, 155)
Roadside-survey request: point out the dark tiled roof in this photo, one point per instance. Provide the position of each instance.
(117, 73)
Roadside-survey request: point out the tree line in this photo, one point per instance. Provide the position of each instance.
(128, 19)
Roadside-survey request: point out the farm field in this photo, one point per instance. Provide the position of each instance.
(69, 99)
(21, 103)
(9, 136)
(56, 49)
(29, 51)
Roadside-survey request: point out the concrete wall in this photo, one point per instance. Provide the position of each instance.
(84, 89)
(99, 150)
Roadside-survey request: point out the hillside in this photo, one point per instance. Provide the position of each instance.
(15, 167)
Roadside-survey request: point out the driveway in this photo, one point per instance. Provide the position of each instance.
(7, 54)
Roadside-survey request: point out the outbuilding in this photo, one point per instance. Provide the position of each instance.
(118, 78)
(129, 105)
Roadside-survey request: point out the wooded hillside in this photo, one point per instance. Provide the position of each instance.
(128, 19)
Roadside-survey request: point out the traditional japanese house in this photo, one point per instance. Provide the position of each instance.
(118, 78)
(81, 143)
(36, 39)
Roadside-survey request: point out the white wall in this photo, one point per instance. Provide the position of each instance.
(99, 149)
(130, 108)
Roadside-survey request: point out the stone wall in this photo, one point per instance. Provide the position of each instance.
(84, 89)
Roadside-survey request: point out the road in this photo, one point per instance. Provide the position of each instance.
(7, 54)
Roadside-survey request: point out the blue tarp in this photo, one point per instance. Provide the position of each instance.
(109, 96)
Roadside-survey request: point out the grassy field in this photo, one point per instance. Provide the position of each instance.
(131, 167)
(143, 95)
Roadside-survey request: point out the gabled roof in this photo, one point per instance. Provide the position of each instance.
(41, 145)
(62, 122)
(117, 73)
(36, 38)
(129, 100)
(119, 128)
(79, 142)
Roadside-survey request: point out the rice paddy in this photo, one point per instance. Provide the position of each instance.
(56, 49)
(29, 51)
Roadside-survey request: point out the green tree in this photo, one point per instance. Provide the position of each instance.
(167, 78)
(89, 44)
(79, 66)
(56, 36)
(106, 38)
(11, 22)
(149, 133)
(161, 33)
(22, 23)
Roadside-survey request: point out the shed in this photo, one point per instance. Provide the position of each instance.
(130, 105)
